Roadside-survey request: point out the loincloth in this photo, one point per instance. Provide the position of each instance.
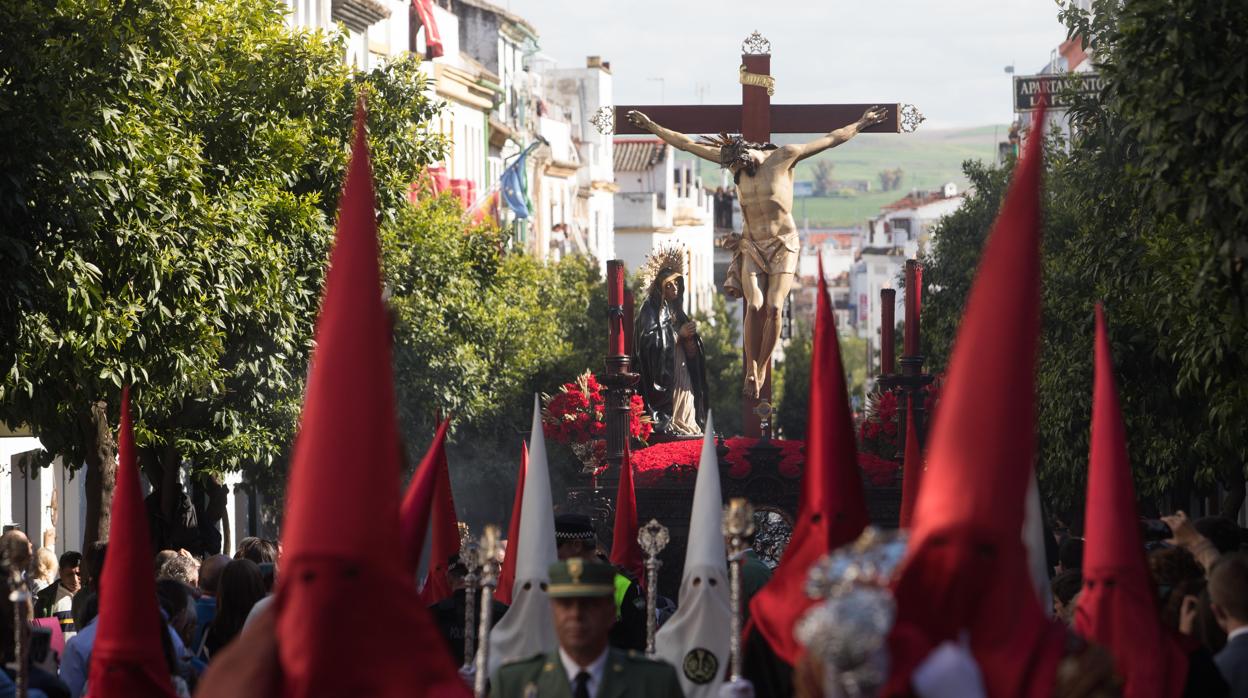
(773, 255)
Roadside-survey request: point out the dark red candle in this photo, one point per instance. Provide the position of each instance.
(911, 343)
(615, 303)
(888, 306)
(628, 322)
(918, 290)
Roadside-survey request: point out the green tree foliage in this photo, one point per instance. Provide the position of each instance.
(721, 339)
(823, 178)
(1081, 265)
(1173, 119)
(478, 332)
(172, 172)
(792, 409)
(950, 263)
(476, 329)
(1124, 223)
(890, 180)
(793, 404)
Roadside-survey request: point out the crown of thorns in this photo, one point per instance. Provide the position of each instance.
(732, 148)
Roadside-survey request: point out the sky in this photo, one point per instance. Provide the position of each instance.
(947, 57)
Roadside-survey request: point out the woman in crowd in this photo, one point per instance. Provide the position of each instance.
(45, 569)
(241, 586)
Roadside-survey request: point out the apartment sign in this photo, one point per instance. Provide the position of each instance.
(1063, 90)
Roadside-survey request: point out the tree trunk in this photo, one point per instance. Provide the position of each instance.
(101, 461)
(1235, 492)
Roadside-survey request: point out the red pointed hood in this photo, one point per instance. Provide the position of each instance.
(832, 511)
(418, 501)
(912, 470)
(342, 501)
(507, 576)
(444, 541)
(966, 566)
(1117, 607)
(127, 659)
(625, 550)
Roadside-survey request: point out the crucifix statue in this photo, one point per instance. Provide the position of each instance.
(765, 256)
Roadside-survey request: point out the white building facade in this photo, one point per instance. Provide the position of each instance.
(661, 202)
(49, 503)
(375, 30)
(568, 176)
(577, 94)
(902, 231)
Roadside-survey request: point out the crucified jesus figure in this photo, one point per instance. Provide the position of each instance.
(765, 255)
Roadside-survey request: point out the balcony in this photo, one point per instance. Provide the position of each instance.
(641, 210)
(358, 15)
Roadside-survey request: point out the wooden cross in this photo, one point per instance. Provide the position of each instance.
(756, 119)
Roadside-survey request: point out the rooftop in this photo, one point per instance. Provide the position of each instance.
(916, 199)
(502, 12)
(884, 251)
(638, 155)
(842, 238)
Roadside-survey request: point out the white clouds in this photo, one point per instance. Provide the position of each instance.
(945, 56)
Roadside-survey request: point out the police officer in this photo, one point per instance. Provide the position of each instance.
(582, 599)
(575, 537)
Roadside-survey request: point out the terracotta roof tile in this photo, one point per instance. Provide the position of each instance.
(912, 201)
(638, 155)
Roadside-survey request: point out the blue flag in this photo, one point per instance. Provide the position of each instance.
(512, 186)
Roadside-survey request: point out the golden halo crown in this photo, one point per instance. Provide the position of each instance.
(664, 259)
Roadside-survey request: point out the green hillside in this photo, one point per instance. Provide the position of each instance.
(928, 159)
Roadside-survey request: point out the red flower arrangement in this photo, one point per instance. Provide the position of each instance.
(679, 459)
(879, 433)
(576, 416)
(879, 472)
(653, 462)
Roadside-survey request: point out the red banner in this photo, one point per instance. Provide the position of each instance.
(433, 40)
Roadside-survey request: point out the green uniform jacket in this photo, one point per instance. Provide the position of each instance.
(754, 576)
(626, 675)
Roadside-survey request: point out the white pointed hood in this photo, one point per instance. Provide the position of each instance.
(528, 626)
(696, 639)
(1033, 540)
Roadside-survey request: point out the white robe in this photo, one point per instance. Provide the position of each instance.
(528, 626)
(696, 640)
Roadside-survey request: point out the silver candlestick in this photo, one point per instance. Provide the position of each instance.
(738, 527)
(488, 551)
(19, 596)
(653, 538)
(469, 558)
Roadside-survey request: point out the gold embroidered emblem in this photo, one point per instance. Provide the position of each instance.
(700, 665)
(576, 567)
